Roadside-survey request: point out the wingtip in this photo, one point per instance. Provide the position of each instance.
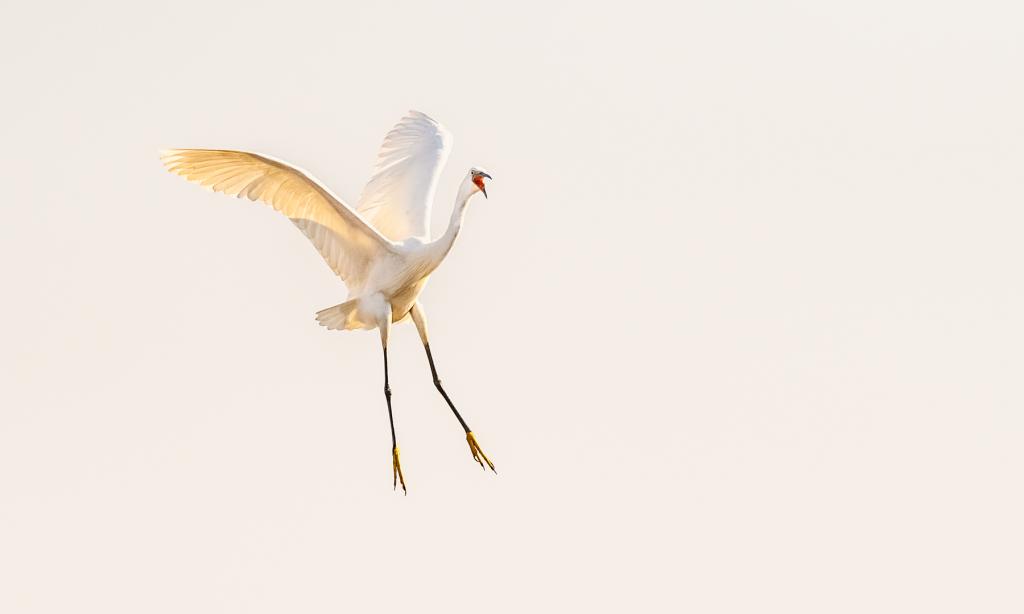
(420, 114)
(167, 156)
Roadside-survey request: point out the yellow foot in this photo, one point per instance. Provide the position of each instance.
(396, 467)
(478, 454)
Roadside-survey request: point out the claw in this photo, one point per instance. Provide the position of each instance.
(478, 454)
(396, 468)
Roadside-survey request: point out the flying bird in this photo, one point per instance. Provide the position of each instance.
(381, 248)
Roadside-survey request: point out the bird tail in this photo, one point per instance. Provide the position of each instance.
(341, 317)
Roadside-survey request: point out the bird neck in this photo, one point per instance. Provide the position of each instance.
(444, 244)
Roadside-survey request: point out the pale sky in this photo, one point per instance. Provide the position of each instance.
(740, 324)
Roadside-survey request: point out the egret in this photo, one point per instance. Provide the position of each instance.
(381, 248)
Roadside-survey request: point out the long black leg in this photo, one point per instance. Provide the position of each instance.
(440, 388)
(395, 465)
(421, 325)
(387, 395)
(474, 447)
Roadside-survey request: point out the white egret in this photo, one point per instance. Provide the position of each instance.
(381, 248)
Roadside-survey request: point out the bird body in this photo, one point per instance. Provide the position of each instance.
(380, 248)
(398, 277)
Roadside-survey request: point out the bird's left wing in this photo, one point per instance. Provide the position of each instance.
(343, 238)
(398, 196)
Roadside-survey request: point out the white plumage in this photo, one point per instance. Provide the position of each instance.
(381, 249)
(398, 197)
(343, 238)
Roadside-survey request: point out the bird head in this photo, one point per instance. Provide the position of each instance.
(477, 177)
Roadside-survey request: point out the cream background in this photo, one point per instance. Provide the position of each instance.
(740, 324)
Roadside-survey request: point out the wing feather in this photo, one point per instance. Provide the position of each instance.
(398, 197)
(345, 240)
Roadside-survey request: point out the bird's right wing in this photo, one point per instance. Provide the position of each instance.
(398, 196)
(343, 238)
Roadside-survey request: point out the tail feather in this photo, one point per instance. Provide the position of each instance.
(340, 317)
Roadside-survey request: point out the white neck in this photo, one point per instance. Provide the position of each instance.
(444, 243)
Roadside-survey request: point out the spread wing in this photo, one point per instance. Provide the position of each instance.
(344, 239)
(398, 196)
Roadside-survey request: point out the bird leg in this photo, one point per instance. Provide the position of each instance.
(396, 466)
(474, 448)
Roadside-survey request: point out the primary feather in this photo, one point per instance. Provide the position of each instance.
(398, 196)
(344, 239)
